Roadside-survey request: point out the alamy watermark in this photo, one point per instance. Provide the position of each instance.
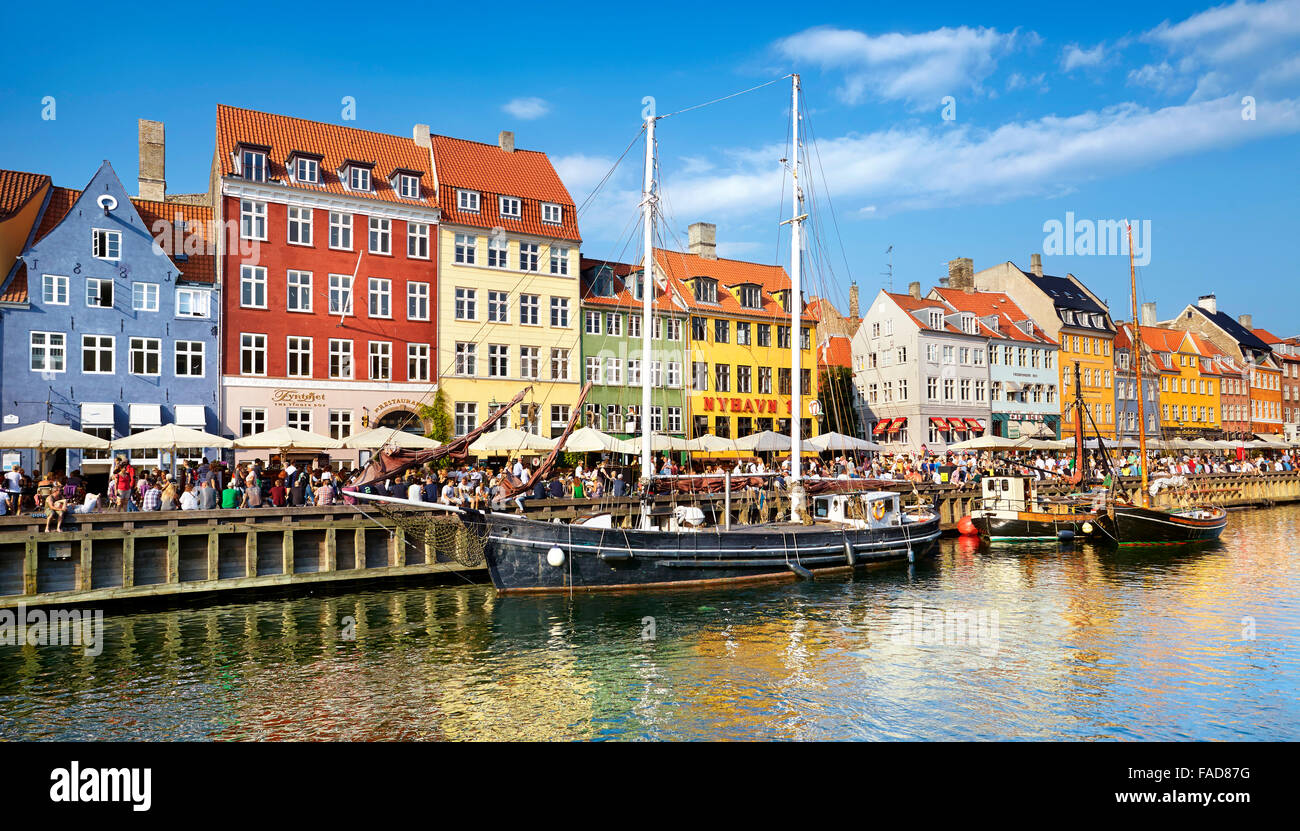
(1100, 237)
(53, 627)
(974, 628)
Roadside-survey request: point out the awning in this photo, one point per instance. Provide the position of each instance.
(897, 424)
(941, 423)
(882, 427)
(956, 424)
(191, 415)
(146, 415)
(96, 415)
(975, 424)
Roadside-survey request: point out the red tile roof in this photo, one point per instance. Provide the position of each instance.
(624, 298)
(996, 303)
(17, 188)
(909, 304)
(493, 172)
(334, 143)
(680, 267)
(837, 351)
(16, 291)
(61, 201)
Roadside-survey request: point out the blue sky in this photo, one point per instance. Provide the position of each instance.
(1132, 112)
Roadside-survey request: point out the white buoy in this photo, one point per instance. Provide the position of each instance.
(1086, 528)
(555, 557)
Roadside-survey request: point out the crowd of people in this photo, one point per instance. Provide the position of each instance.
(205, 485)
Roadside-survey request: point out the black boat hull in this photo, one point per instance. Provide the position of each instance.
(1028, 527)
(1132, 525)
(519, 554)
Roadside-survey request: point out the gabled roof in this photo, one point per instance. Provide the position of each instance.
(836, 351)
(624, 298)
(17, 188)
(1064, 293)
(494, 172)
(336, 144)
(680, 267)
(994, 303)
(1234, 330)
(910, 304)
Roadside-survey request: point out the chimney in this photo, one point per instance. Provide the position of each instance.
(1036, 264)
(420, 135)
(853, 300)
(961, 274)
(507, 141)
(1207, 302)
(153, 161)
(1245, 320)
(914, 289)
(703, 239)
(1148, 314)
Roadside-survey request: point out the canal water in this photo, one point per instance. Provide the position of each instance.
(1002, 643)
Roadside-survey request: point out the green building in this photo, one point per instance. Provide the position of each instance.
(612, 351)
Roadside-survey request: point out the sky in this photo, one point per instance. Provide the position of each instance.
(942, 130)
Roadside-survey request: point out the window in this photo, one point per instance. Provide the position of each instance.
(764, 334)
(673, 328)
(528, 256)
(466, 304)
(613, 323)
(805, 341)
(97, 354)
(674, 419)
(193, 303)
(417, 240)
(299, 226)
(381, 360)
(510, 206)
(700, 376)
(48, 351)
(722, 427)
(54, 290)
(340, 231)
(947, 389)
(466, 358)
(340, 294)
(593, 370)
(297, 418)
(674, 377)
(306, 171)
(742, 333)
(466, 248)
(634, 326)
(751, 297)
(417, 301)
(252, 354)
(498, 360)
(765, 380)
(559, 261)
(744, 378)
(144, 297)
(99, 293)
(340, 424)
(252, 286)
(705, 290)
(560, 312)
(613, 371)
(381, 297)
(340, 359)
(252, 219)
(559, 365)
(722, 377)
(552, 213)
(417, 362)
(106, 245)
(252, 165)
(189, 358)
(698, 330)
(298, 357)
(408, 186)
(530, 309)
(498, 249)
(299, 291)
(358, 178)
(466, 417)
(721, 331)
(381, 235)
(467, 200)
(593, 323)
(252, 420)
(783, 337)
(529, 362)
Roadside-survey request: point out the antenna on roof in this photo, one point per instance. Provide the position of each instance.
(890, 272)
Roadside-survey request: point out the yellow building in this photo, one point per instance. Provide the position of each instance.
(1189, 381)
(738, 372)
(508, 292)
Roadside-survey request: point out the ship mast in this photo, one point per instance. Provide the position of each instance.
(797, 496)
(1137, 358)
(647, 298)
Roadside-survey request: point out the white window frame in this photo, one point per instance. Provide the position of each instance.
(293, 349)
(249, 345)
(252, 220)
(99, 349)
(254, 276)
(146, 347)
(51, 287)
(340, 284)
(379, 298)
(48, 350)
(417, 362)
(298, 287)
(340, 351)
(383, 351)
(95, 287)
(199, 299)
(417, 240)
(359, 178)
(552, 213)
(468, 200)
(106, 244)
(192, 349)
(380, 236)
(417, 293)
(408, 186)
(150, 292)
(511, 206)
(341, 224)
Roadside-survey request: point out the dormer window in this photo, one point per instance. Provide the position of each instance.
(467, 200)
(968, 324)
(936, 319)
(511, 206)
(552, 213)
(751, 297)
(357, 176)
(705, 289)
(406, 183)
(305, 169)
(252, 164)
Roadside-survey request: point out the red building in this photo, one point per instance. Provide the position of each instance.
(1286, 351)
(329, 275)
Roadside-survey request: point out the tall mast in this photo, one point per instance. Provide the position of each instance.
(796, 296)
(1137, 364)
(647, 297)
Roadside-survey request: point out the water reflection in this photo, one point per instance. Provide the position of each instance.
(1089, 644)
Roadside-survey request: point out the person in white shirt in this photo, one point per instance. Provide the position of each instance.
(4, 503)
(414, 492)
(189, 501)
(518, 469)
(90, 505)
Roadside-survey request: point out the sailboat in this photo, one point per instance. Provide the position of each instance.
(671, 547)
(1140, 524)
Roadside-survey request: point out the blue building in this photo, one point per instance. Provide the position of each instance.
(1126, 404)
(109, 322)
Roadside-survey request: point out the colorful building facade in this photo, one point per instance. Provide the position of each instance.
(1126, 389)
(508, 311)
(1189, 394)
(329, 276)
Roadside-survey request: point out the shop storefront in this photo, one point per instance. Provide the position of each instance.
(1026, 425)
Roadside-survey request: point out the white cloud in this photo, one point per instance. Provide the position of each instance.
(1075, 58)
(1160, 77)
(917, 68)
(527, 108)
(581, 173)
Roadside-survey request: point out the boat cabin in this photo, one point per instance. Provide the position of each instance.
(874, 509)
(1008, 493)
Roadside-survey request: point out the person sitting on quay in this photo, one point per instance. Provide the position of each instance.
(151, 499)
(279, 493)
(54, 503)
(325, 493)
(231, 494)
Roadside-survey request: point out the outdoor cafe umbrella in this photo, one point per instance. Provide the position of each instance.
(765, 441)
(710, 443)
(993, 443)
(286, 438)
(839, 441)
(509, 440)
(378, 437)
(591, 440)
(171, 437)
(658, 443)
(44, 436)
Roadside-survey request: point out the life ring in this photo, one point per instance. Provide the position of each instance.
(878, 510)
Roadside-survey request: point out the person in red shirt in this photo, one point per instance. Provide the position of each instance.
(279, 493)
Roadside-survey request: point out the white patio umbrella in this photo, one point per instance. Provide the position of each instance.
(765, 441)
(658, 443)
(378, 437)
(591, 440)
(839, 441)
(510, 440)
(286, 438)
(710, 443)
(994, 443)
(44, 436)
(171, 437)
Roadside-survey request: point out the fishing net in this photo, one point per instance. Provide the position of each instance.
(446, 534)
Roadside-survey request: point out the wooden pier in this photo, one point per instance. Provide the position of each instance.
(107, 557)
